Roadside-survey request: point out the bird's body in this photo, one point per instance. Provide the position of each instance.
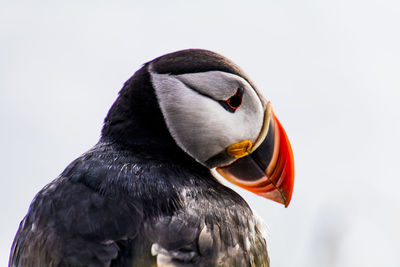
(139, 199)
(108, 208)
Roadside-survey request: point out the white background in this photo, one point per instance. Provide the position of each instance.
(330, 68)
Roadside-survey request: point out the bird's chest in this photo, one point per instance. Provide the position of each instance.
(208, 230)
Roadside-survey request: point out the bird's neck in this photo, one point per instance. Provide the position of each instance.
(146, 158)
(153, 179)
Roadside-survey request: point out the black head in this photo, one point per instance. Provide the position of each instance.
(135, 121)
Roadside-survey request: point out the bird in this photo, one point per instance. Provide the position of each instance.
(149, 193)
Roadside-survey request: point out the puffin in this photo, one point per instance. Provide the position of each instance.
(149, 192)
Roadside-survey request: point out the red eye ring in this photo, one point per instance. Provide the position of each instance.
(234, 102)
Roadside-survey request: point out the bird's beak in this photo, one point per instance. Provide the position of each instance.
(267, 167)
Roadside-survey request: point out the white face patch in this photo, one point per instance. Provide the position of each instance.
(197, 121)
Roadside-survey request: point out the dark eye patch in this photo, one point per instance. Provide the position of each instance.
(233, 103)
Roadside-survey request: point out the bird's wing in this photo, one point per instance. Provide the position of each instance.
(69, 224)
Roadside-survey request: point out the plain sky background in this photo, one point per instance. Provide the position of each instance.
(330, 68)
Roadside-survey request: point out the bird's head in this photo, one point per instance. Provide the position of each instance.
(216, 115)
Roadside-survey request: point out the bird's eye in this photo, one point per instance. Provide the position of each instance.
(232, 103)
